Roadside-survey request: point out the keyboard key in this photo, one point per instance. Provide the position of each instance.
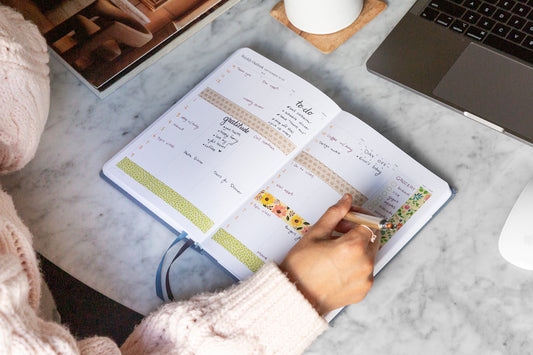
(476, 33)
(493, 1)
(529, 28)
(501, 30)
(517, 22)
(502, 16)
(472, 4)
(459, 2)
(506, 4)
(459, 26)
(429, 14)
(521, 9)
(486, 23)
(509, 47)
(487, 9)
(516, 36)
(444, 20)
(447, 7)
(471, 17)
(528, 42)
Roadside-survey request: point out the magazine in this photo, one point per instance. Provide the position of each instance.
(107, 42)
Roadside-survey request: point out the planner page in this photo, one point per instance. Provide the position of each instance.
(347, 156)
(217, 145)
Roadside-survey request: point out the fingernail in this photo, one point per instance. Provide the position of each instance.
(345, 197)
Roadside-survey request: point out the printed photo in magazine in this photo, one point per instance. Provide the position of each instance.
(102, 40)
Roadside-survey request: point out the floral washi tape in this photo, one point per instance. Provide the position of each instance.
(283, 211)
(406, 211)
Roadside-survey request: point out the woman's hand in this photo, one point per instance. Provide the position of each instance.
(333, 271)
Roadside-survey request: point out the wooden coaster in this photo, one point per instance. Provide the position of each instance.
(328, 43)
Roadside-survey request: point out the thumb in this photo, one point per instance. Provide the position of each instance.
(329, 220)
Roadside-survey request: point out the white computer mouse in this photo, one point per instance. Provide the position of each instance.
(516, 238)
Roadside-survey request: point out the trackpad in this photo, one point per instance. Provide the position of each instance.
(492, 87)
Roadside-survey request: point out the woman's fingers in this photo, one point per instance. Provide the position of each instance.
(329, 220)
(360, 210)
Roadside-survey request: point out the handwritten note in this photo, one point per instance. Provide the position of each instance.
(228, 134)
(182, 123)
(293, 119)
(357, 150)
(391, 197)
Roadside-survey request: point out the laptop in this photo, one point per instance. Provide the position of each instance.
(474, 56)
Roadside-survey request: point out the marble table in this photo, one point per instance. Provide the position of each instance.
(447, 292)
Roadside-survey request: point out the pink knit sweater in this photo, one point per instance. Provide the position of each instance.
(265, 314)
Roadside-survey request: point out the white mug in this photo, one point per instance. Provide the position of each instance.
(322, 16)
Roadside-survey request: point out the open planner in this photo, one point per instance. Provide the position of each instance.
(251, 157)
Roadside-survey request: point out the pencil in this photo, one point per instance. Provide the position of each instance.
(370, 221)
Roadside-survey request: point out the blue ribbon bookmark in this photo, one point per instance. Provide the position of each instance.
(162, 278)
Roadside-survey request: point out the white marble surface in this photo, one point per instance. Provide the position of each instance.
(447, 292)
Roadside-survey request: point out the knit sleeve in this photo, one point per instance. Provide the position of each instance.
(24, 89)
(263, 315)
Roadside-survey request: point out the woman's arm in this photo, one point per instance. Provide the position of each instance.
(264, 315)
(274, 311)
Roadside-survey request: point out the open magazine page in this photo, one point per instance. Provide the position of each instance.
(215, 147)
(347, 156)
(101, 40)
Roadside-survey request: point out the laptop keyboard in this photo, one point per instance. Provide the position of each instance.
(505, 25)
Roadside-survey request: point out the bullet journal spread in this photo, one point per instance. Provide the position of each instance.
(250, 158)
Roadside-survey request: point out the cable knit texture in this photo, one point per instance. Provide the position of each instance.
(16, 239)
(263, 315)
(24, 89)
